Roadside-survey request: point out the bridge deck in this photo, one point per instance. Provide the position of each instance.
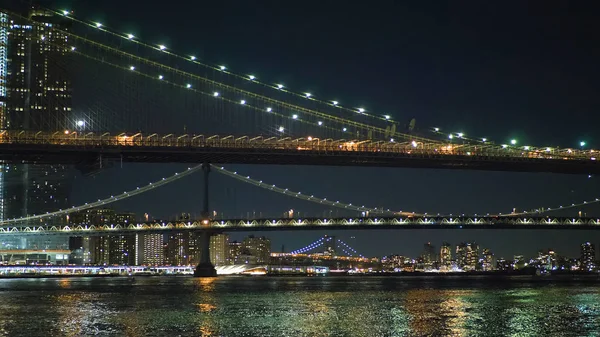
(42, 147)
(311, 224)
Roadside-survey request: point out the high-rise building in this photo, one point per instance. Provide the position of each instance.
(234, 253)
(446, 256)
(177, 249)
(152, 249)
(257, 247)
(461, 255)
(99, 250)
(588, 256)
(35, 91)
(487, 263)
(122, 249)
(472, 256)
(428, 253)
(219, 249)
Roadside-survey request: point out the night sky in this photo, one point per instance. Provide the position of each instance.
(525, 70)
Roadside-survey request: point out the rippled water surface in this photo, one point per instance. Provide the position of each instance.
(296, 306)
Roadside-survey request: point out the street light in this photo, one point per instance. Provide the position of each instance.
(80, 123)
(513, 142)
(582, 144)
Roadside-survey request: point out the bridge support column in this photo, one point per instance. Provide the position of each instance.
(205, 268)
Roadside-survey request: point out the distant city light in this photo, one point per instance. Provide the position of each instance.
(193, 58)
(450, 136)
(361, 110)
(460, 134)
(73, 48)
(344, 129)
(162, 47)
(130, 36)
(222, 67)
(513, 142)
(484, 140)
(387, 116)
(281, 129)
(242, 102)
(280, 86)
(392, 140)
(526, 148)
(334, 102)
(294, 116)
(216, 94)
(132, 68)
(65, 13)
(80, 123)
(436, 129)
(160, 77)
(269, 109)
(308, 94)
(188, 86)
(414, 144)
(251, 77)
(582, 144)
(98, 25)
(320, 123)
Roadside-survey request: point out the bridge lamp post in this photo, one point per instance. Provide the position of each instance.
(582, 144)
(513, 142)
(80, 124)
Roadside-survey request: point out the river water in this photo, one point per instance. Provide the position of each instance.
(296, 306)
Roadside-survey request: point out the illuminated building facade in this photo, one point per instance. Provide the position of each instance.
(461, 255)
(152, 249)
(429, 254)
(122, 249)
(182, 249)
(487, 262)
(446, 256)
(219, 249)
(588, 256)
(472, 256)
(35, 94)
(259, 248)
(234, 253)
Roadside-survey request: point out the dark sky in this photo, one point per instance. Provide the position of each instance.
(526, 69)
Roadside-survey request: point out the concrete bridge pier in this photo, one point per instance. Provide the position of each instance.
(205, 268)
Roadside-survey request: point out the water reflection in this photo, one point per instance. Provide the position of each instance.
(330, 306)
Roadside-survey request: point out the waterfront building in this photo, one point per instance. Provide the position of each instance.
(122, 249)
(487, 262)
(446, 256)
(152, 249)
(219, 249)
(234, 253)
(429, 256)
(588, 256)
(258, 249)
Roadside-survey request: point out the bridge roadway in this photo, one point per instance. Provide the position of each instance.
(508, 222)
(77, 148)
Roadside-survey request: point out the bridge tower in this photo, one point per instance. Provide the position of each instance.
(205, 268)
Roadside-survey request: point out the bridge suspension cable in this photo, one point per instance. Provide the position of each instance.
(106, 201)
(349, 206)
(350, 251)
(309, 247)
(246, 95)
(194, 60)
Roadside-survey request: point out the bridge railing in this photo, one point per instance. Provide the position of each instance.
(414, 148)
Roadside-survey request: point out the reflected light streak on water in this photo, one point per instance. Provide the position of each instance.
(296, 306)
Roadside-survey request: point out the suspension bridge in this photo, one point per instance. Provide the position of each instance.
(113, 97)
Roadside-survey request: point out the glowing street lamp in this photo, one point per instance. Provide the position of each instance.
(513, 142)
(582, 144)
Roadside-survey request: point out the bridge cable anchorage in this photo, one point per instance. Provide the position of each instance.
(106, 201)
(237, 90)
(220, 68)
(324, 201)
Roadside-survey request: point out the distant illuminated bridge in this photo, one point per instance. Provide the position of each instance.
(311, 224)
